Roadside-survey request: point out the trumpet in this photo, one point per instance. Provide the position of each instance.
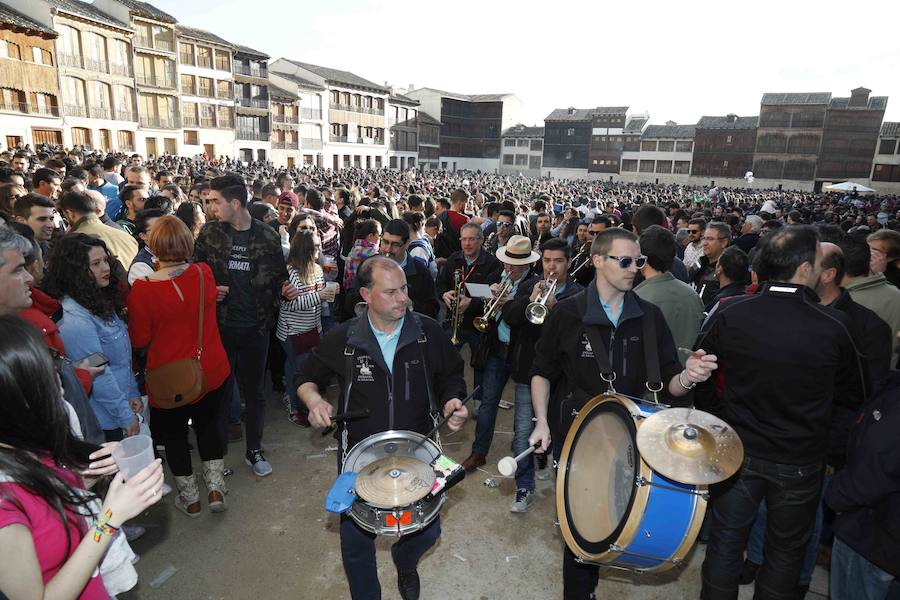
(536, 312)
(455, 312)
(585, 249)
(483, 322)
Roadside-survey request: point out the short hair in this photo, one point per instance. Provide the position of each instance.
(722, 228)
(601, 220)
(755, 222)
(556, 244)
(43, 175)
(78, 202)
(78, 173)
(314, 199)
(508, 214)
(857, 255)
(128, 191)
(398, 227)
(645, 216)
(835, 260)
(735, 264)
(698, 221)
(364, 228)
(163, 173)
(782, 252)
(604, 240)
(474, 226)
(771, 225)
(433, 222)
(142, 219)
(658, 245)
(414, 219)
(10, 240)
(111, 162)
(96, 171)
(891, 237)
(445, 202)
(414, 201)
(459, 195)
(25, 203)
(365, 275)
(170, 240)
(270, 189)
(234, 193)
(160, 202)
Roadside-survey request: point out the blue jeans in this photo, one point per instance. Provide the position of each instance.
(358, 554)
(792, 494)
(292, 364)
(523, 425)
(855, 578)
(472, 338)
(758, 539)
(496, 373)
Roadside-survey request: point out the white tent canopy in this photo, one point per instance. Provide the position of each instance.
(849, 186)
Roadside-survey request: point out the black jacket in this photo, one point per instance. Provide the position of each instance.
(731, 290)
(523, 334)
(872, 337)
(704, 280)
(564, 356)
(866, 493)
(747, 242)
(420, 288)
(398, 401)
(487, 269)
(783, 360)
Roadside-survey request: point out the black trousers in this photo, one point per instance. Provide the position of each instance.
(170, 427)
(792, 495)
(247, 350)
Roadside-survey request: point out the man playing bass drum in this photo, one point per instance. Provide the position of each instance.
(603, 325)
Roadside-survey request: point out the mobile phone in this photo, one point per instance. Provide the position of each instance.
(97, 359)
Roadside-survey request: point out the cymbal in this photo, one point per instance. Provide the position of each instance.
(394, 481)
(690, 446)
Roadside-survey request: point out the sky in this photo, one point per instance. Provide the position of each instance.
(676, 60)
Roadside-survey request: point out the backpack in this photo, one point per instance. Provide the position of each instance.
(432, 263)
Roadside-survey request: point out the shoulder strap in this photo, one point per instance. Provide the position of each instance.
(200, 318)
(651, 354)
(599, 349)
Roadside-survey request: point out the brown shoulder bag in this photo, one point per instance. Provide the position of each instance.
(181, 382)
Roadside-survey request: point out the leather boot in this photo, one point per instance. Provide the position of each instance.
(475, 460)
(188, 498)
(214, 476)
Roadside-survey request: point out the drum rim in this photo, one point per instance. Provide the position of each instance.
(625, 531)
(400, 434)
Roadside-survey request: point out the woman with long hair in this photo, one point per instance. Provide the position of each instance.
(366, 235)
(79, 275)
(9, 193)
(300, 318)
(48, 546)
(191, 214)
(163, 315)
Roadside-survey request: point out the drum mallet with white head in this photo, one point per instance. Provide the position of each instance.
(508, 464)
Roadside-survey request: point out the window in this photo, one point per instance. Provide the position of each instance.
(648, 146)
(645, 166)
(189, 114)
(205, 87)
(666, 146)
(534, 162)
(684, 146)
(521, 160)
(887, 146)
(186, 53)
(664, 166)
(125, 140)
(682, 167)
(12, 51)
(42, 57)
(207, 115)
(68, 41)
(537, 145)
(187, 85)
(74, 92)
(725, 162)
(522, 143)
(223, 89)
(570, 132)
(509, 159)
(335, 97)
(204, 57)
(124, 103)
(727, 141)
(225, 115)
(191, 138)
(94, 47)
(81, 136)
(12, 100)
(223, 60)
(568, 156)
(629, 165)
(509, 143)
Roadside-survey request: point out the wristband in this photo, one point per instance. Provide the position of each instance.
(102, 527)
(683, 384)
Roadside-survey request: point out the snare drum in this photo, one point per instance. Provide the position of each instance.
(614, 510)
(398, 520)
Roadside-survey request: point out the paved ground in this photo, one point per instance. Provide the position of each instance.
(277, 542)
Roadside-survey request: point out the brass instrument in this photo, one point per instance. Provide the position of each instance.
(455, 312)
(537, 311)
(585, 249)
(483, 322)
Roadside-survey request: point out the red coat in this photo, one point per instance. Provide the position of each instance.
(165, 323)
(39, 314)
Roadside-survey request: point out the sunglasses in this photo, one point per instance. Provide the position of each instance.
(626, 261)
(504, 224)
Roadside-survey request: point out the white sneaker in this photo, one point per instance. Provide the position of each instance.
(524, 500)
(505, 404)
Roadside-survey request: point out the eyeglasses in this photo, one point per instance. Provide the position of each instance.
(504, 224)
(712, 239)
(694, 230)
(306, 228)
(626, 261)
(395, 245)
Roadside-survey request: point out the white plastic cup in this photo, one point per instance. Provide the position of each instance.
(133, 454)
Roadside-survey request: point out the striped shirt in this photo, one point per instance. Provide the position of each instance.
(303, 313)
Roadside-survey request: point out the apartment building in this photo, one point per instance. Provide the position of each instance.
(522, 150)
(253, 122)
(206, 86)
(723, 148)
(403, 121)
(29, 88)
(567, 143)
(285, 127)
(429, 142)
(356, 118)
(312, 119)
(663, 154)
(886, 165)
(789, 136)
(608, 138)
(850, 137)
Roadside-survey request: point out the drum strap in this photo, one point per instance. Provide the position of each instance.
(432, 407)
(601, 355)
(343, 441)
(651, 355)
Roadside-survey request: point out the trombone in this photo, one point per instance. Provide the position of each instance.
(483, 322)
(537, 311)
(585, 249)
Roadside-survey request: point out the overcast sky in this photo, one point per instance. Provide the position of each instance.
(675, 60)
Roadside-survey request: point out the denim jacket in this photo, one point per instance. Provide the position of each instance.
(83, 334)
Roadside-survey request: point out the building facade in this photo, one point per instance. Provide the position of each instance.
(310, 99)
(850, 138)
(403, 123)
(285, 127)
(522, 151)
(356, 118)
(29, 88)
(789, 136)
(470, 126)
(724, 147)
(253, 122)
(567, 143)
(429, 142)
(663, 154)
(206, 85)
(886, 165)
(607, 138)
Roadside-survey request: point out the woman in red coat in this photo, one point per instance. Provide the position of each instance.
(163, 310)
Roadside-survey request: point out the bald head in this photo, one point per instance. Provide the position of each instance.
(832, 267)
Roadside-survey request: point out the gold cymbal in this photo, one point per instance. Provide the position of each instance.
(394, 481)
(690, 446)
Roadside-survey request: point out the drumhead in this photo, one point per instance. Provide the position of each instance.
(599, 472)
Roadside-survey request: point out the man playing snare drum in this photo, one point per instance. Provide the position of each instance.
(595, 337)
(406, 373)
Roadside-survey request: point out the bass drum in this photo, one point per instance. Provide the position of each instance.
(613, 509)
(398, 520)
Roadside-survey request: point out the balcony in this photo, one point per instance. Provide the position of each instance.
(313, 114)
(76, 110)
(189, 121)
(142, 41)
(251, 71)
(359, 109)
(100, 112)
(223, 65)
(258, 136)
(337, 138)
(186, 58)
(278, 145)
(205, 92)
(160, 122)
(125, 115)
(225, 124)
(311, 143)
(119, 69)
(204, 62)
(98, 66)
(208, 122)
(253, 102)
(291, 119)
(154, 43)
(69, 60)
(26, 108)
(155, 81)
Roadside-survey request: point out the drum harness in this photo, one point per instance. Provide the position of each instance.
(349, 353)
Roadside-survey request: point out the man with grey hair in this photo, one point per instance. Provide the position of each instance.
(15, 280)
(749, 233)
(715, 239)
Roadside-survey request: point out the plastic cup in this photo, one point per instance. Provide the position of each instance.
(133, 454)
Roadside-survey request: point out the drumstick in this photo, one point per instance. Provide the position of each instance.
(444, 420)
(508, 464)
(345, 416)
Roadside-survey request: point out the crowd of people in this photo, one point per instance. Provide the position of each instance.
(162, 292)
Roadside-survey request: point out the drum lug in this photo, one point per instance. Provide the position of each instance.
(640, 481)
(574, 413)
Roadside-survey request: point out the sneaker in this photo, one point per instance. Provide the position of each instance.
(235, 433)
(505, 404)
(298, 418)
(258, 462)
(133, 532)
(286, 402)
(524, 500)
